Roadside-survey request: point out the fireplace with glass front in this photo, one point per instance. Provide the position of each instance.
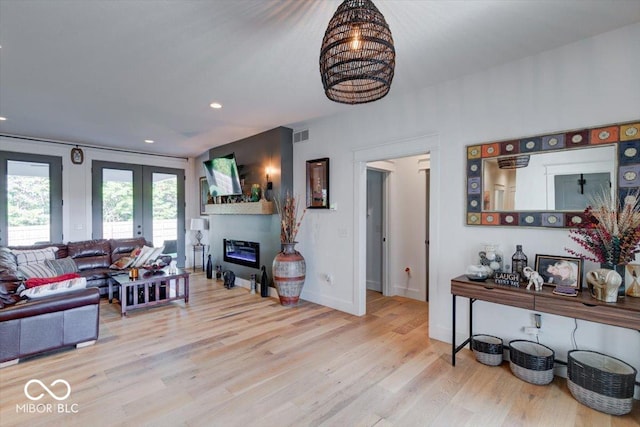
(242, 252)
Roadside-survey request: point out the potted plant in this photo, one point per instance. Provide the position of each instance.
(289, 267)
(609, 233)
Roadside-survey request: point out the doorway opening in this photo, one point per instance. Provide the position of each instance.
(397, 227)
(398, 269)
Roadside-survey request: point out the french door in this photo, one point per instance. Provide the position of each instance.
(30, 199)
(139, 201)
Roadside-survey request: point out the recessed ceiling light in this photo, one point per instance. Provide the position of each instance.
(2, 119)
(149, 141)
(215, 105)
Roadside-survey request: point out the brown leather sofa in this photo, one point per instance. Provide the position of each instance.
(93, 258)
(49, 323)
(31, 327)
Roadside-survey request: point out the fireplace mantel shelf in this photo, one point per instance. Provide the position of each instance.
(262, 207)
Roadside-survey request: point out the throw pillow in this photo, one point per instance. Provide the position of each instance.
(62, 265)
(30, 256)
(55, 288)
(126, 261)
(39, 269)
(122, 263)
(39, 281)
(154, 254)
(142, 258)
(135, 252)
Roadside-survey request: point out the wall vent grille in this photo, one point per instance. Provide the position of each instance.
(301, 136)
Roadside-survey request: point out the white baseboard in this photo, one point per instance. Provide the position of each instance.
(407, 292)
(338, 304)
(374, 285)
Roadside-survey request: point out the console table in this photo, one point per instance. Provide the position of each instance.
(625, 313)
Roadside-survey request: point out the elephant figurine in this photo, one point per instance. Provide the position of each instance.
(534, 277)
(604, 284)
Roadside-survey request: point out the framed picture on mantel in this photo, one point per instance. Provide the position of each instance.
(318, 183)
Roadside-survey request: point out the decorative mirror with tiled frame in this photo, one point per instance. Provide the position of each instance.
(569, 164)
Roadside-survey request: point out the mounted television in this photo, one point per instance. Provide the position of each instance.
(222, 176)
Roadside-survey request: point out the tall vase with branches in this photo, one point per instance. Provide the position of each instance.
(610, 232)
(289, 266)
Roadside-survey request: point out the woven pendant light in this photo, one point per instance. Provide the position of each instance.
(357, 58)
(513, 162)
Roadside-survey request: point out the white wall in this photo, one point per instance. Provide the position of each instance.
(591, 82)
(76, 181)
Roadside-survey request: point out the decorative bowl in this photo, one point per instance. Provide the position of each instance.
(154, 267)
(477, 273)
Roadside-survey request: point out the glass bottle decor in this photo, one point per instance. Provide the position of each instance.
(264, 283)
(253, 284)
(518, 262)
(209, 267)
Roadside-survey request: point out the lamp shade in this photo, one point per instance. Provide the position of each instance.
(357, 57)
(199, 224)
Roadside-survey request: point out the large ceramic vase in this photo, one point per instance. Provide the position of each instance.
(619, 268)
(289, 270)
(604, 284)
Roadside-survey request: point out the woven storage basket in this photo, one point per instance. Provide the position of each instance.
(488, 349)
(531, 362)
(601, 382)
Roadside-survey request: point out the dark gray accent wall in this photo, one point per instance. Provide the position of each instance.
(272, 148)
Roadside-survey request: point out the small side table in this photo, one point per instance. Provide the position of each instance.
(198, 248)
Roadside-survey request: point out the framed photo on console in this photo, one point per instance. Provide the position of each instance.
(318, 183)
(560, 270)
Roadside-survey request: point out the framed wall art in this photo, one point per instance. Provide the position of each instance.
(77, 156)
(318, 183)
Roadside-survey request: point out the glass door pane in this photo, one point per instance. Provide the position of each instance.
(28, 203)
(164, 201)
(139, 201)
(117, 203)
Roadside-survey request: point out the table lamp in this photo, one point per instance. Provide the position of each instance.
(199, 224)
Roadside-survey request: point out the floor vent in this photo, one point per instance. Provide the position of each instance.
(301, 136)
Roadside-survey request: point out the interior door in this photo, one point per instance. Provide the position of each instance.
(374, 230)
(427, 238)
(574, 192)
(139, 201)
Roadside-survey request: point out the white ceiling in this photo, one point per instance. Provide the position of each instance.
(113, 73)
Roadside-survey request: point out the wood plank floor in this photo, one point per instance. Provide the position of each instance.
(229, 358)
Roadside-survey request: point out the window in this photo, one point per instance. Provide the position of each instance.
(30, 199)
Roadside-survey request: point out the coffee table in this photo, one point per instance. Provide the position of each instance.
(150, 289)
